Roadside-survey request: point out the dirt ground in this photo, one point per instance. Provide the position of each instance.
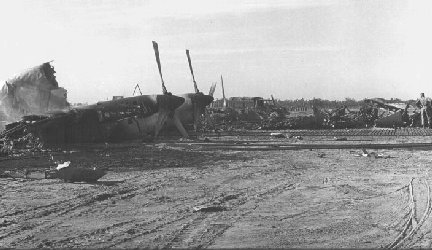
(250, 198)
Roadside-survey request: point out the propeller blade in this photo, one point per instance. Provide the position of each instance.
(156, 50)
(223, 92)
(196, 115)
(162, 117)
(179, 125)
(191, 70)
(212, 89)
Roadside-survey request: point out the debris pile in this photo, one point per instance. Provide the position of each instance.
(16, 137)
(223, 120)
(372, 113)
(264, 119)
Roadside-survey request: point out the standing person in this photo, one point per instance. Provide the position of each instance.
(424, 104)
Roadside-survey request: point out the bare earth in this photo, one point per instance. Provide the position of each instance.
(261, 198)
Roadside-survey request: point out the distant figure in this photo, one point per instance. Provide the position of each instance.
(424, 104)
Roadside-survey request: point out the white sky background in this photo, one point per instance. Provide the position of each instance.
(291, 49)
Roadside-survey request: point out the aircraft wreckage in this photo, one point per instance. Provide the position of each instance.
(34, 104)
(36, 97)
(103, 121)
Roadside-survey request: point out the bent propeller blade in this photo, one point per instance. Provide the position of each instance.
(191, 70)
(156, 50)
(179, 126)
(162, 117)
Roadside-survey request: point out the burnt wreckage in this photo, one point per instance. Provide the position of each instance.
(36, 107)
(51, 120)
(247, 113)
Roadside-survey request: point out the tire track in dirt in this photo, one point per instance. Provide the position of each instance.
(411, 227)
(216, 230)
(67, 202)
(409, 222)
(68, 205)
(185, 230)
(132, 192)
(203, 230)
(210, 229)
(408, 241)
(147, 228)
(126, 229)
(52, 215)
(182, 223)
(49, 216)
(144, 230)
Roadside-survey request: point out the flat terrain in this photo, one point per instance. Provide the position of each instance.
(253, 191)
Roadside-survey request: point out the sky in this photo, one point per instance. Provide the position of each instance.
(291, 49)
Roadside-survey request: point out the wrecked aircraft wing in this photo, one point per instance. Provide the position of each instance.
(34, 92)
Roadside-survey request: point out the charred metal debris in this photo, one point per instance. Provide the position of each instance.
(247, 115)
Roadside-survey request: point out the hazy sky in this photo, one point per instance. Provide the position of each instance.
(291, 49)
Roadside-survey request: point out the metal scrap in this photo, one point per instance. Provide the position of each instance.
(371, 154)
(209, 209)
(75, 174)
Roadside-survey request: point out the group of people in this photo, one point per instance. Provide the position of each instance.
(425, 106)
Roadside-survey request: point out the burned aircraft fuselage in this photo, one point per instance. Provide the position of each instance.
(126, 118)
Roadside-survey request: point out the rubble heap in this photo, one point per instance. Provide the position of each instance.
(277, 118)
